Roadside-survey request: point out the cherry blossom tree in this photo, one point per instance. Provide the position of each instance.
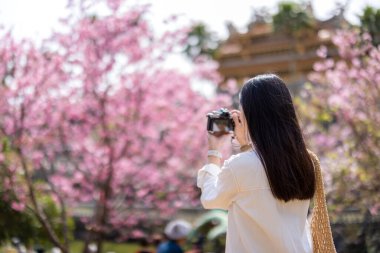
(342, 116)
(92, 115)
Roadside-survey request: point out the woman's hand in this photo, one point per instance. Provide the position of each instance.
(217, 142)
(241, 129)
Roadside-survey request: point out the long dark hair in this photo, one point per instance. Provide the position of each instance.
(275, 132)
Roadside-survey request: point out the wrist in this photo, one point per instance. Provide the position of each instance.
(244, 143)
(214, 160)
(214, 157)
(245, 147)
(214, 153)
(213, 148)
(242, 140)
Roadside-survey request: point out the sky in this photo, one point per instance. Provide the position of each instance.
(37, 18)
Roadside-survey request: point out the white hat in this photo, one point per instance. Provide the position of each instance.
(177, 229)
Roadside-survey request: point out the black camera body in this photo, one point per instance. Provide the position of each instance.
(220, 122)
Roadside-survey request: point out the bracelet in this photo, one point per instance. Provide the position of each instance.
(215, 153)
(245, 147)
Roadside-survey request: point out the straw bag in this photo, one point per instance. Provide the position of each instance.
(320, 224)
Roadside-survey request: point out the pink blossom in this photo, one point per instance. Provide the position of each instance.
(344, 120)
(137, 234)
(93, 110)
(322, 52)
(18, 206)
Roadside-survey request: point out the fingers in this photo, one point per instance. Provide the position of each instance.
(235, 112)
(240, 126)
(217, 135)
(236, 118)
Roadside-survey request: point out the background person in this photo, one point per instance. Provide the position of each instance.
(176, 231)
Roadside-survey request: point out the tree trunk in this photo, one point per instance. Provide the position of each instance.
(38, 210)
(99, 244)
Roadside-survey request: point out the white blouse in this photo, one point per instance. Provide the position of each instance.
(257, 222)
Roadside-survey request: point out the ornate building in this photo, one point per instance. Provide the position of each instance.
(262, 50)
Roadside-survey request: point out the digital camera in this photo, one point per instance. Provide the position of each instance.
(220, 122)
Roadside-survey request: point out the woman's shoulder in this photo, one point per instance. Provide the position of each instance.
(244, 159)
(248, 171)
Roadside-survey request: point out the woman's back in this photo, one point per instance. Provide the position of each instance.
(266, 191)
(257, 221)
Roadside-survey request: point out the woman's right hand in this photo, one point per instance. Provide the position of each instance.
(241, 129)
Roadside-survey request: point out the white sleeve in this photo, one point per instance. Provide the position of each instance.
(218, 185)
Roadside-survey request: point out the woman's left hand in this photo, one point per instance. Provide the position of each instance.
(240, 127)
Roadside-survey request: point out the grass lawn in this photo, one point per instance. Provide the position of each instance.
(77, 247)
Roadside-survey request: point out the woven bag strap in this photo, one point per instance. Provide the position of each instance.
(320, 223)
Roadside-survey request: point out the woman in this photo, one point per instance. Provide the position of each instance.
(266, 188)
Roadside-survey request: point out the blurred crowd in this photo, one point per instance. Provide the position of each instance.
(173, 240)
